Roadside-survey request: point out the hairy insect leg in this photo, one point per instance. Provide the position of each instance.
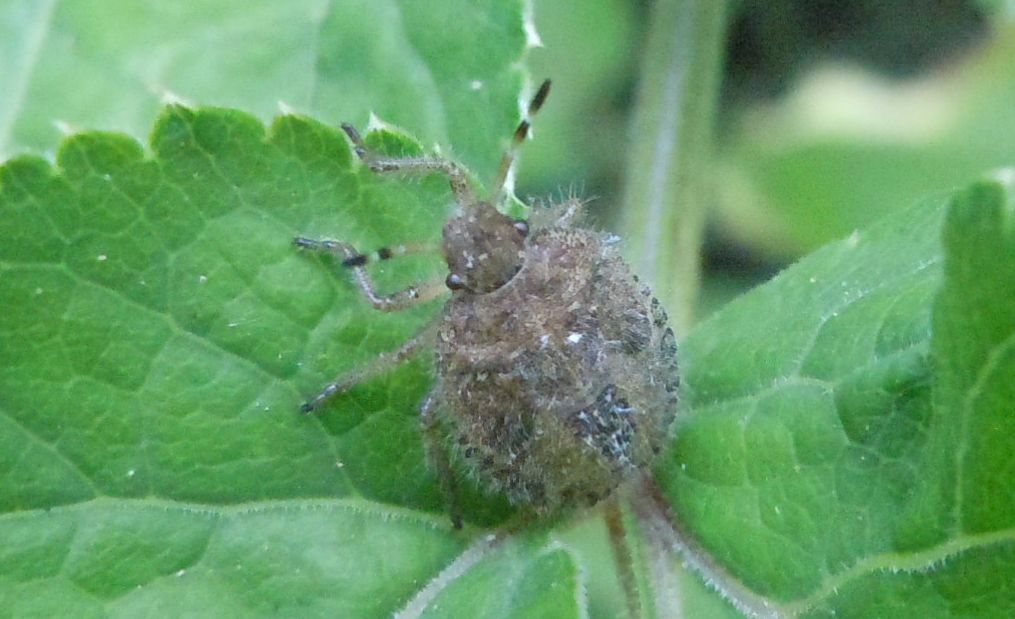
(622, 556)
(379, 365)
(354, 260)
(437, 455)
(456, 176)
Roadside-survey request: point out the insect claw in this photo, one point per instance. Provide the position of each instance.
(307, 408)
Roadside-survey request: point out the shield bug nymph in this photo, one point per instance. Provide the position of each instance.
(556, 372)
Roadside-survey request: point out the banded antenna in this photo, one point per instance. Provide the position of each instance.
(521, 132)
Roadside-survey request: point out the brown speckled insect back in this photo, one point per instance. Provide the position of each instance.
(556, 371)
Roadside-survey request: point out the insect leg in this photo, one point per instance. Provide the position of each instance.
(357, 259)
(459, 181)
(437, 455)
(379, 365)
(622, 556)
(354, 260)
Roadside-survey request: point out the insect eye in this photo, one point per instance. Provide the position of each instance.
(454, 281)
(522, 227)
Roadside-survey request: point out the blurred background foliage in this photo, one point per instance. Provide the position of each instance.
(831, 114)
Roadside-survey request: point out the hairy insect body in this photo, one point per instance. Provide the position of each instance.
(559, 383)
(556, 373)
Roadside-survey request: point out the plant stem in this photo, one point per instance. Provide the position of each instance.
(672, 130)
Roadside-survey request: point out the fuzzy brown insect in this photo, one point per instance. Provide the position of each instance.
(556, 372)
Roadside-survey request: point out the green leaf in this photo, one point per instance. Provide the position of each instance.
(161, 329)
(959, 536)
(974, 341)
(844, 450)
(160, 332)
(143, 557)
(448, 70)
(522, 581)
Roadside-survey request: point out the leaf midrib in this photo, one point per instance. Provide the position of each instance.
(923, 561)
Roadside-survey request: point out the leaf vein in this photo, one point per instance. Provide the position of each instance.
(985, 371)
(52, 448)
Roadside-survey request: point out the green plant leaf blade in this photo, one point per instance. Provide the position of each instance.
(177, 311)
(451, 71)
(126, 558)
(974, 344)
(161, 331)
(520, 579)
(824, 447)
(782, 438)
(973, 583)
